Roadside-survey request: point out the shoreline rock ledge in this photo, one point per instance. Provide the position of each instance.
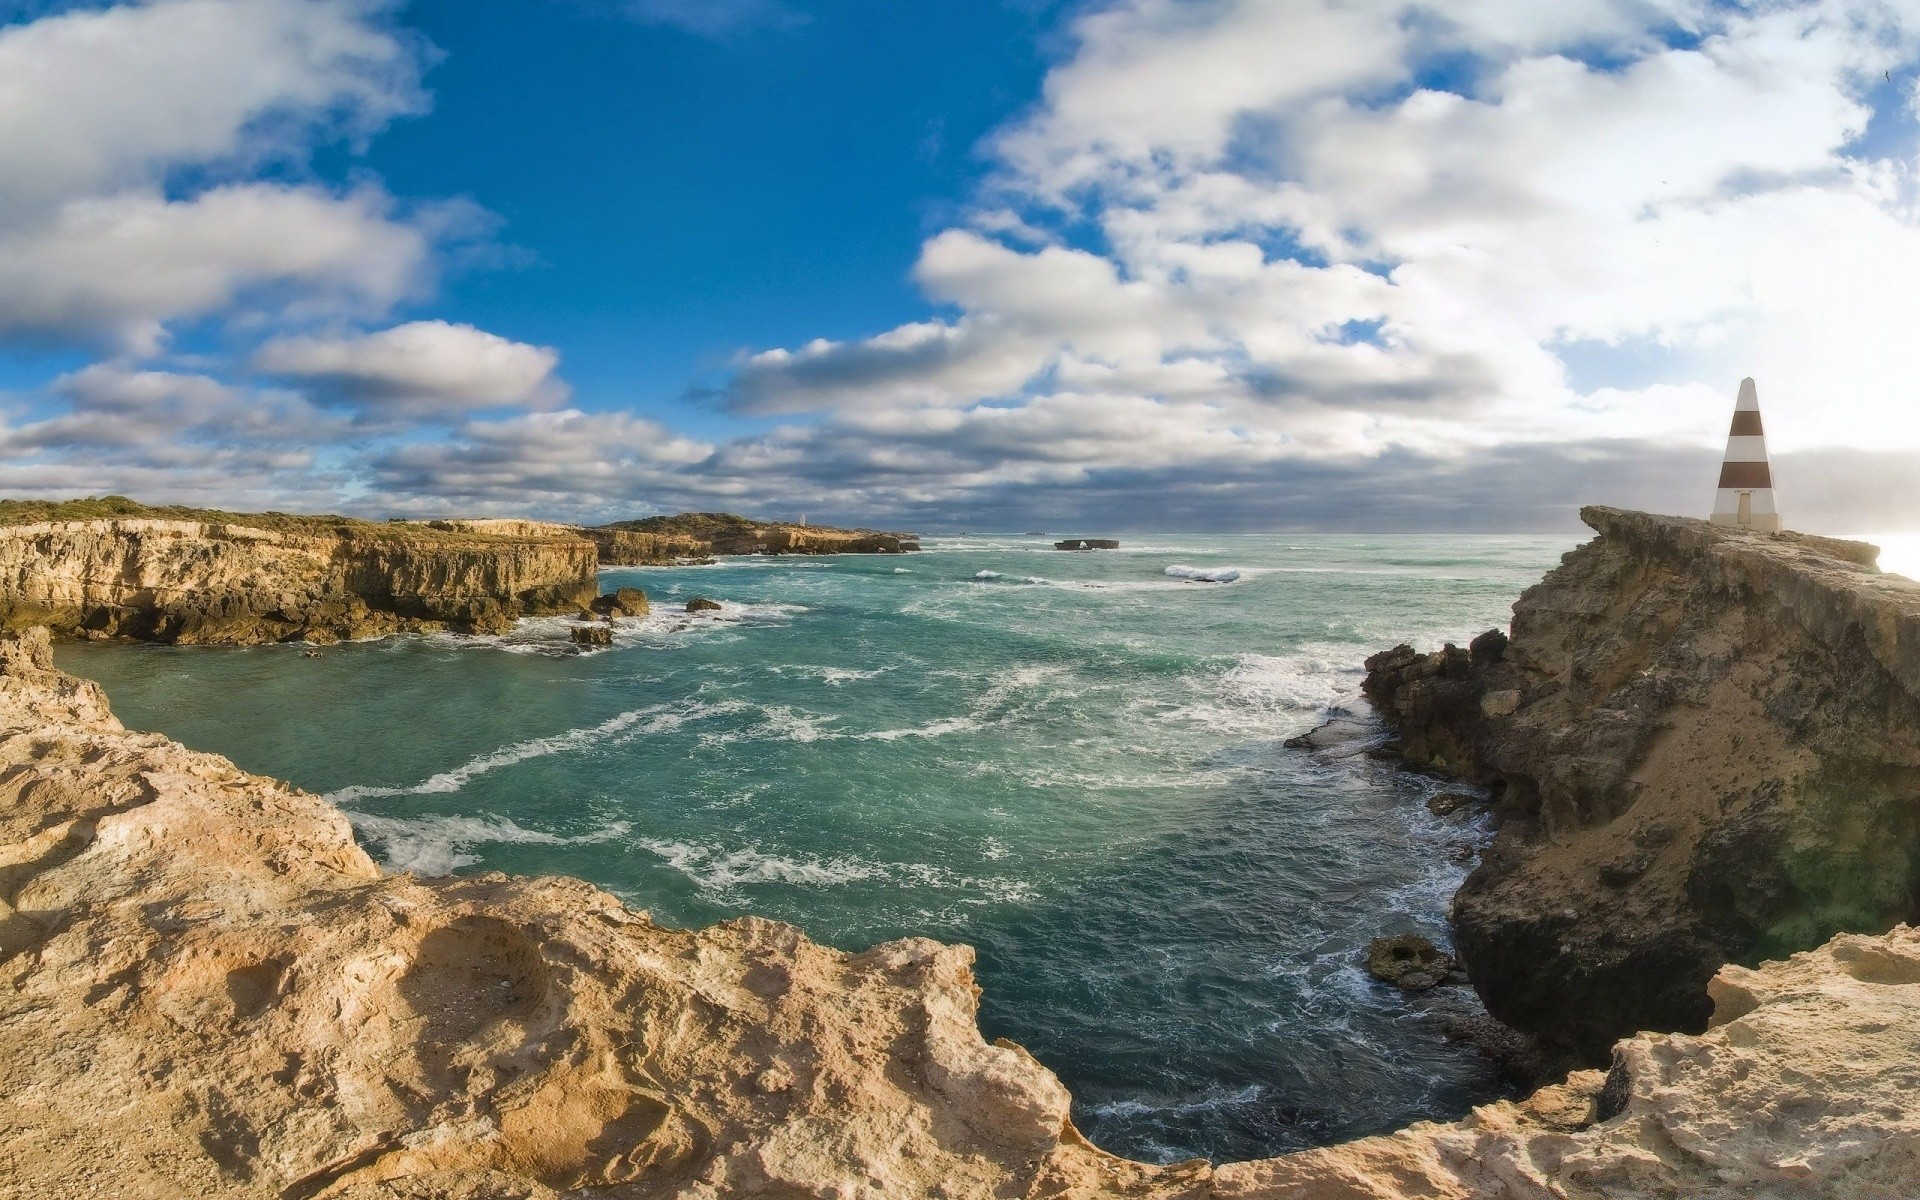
(208, 989)
(1703, 746)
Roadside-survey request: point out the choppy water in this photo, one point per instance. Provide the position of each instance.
(1072, 761)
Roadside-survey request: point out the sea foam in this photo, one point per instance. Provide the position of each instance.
(1204, 574)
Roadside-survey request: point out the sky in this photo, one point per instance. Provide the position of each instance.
(1237, 265)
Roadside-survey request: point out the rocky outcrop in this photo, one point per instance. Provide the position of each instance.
(207, 989)
(1802, 1089)
(698, 535)
(630, 548)
(228, 580)
(1703, 747)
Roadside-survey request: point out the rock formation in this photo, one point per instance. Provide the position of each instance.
(630, 548)
(201, 577)
(1703, 746)
(207, 989)
(699, 535)
(623, 602)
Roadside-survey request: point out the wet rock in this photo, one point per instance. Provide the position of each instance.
(1341, 728)
(702, 604)
(591, 635)
(1409, 962)
(1445, 804)
(623, 602)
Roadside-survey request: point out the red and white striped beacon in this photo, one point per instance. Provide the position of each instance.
(1745, 497)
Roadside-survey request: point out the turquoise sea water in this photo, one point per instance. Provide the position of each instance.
(1071, 761)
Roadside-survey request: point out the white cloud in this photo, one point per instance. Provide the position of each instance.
(122, 267)
(421, 368)
(1378, 226)
(106, 113)
(96, 100)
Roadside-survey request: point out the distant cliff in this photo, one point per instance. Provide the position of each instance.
(660, 539)
(1704, 747)
(194, 576)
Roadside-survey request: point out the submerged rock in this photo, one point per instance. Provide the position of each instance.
(702, 604)
(1408, 962)
(1445, 804)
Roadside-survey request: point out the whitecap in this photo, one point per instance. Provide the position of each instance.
(656, 718)
(722, 870)
(438, 845)
(1204, 574)
(986, 574)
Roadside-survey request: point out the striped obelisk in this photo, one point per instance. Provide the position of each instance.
(1745, 497)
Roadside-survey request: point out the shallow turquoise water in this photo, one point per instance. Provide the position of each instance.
(1072, 761)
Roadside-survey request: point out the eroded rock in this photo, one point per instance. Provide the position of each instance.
(1687, 738)
(1408, 962)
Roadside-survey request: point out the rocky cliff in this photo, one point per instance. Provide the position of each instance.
(631, 548)
(233, 578)
(726, 533)
(1703, 747)
(207, 989)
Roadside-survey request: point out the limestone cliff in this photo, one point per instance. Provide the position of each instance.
(1704, 747)
(632, 548)
(726, 533)
(252, 578)
(207, 989)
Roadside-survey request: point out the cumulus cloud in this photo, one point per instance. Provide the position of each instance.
(1245, 263)
(1389, 231)
(566, 463)
(106, 112)
(420, 368)
(173, 436)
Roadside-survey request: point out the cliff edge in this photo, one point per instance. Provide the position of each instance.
(115, 568)
(207, 989)
(1703, 747)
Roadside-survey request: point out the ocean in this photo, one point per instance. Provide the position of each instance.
(1072, 761)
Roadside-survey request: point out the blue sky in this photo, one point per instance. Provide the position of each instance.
(680, 197)
(1223, 264)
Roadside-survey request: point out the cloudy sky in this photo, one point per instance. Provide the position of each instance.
(1234, 264)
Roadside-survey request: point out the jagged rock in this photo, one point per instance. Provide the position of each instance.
(591, 635)
(702, 604)
(1408, 962)
(623, 602)
(1688, 737)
